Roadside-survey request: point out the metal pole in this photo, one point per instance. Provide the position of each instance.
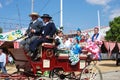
(19, 16)
(32, 6)
(98, 19)
(61, 13)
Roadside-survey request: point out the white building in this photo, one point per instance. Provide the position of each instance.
(102, 31)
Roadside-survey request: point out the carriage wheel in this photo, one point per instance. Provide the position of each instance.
(57, 74)
(54, 74)
(91, 72)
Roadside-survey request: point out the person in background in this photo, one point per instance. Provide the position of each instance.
(3, 61)
(10, 59)
(32, 32)
(96, 35)
(59, 40)
(67, 42)
(118, 58)
(78, 36)
(87, 37)
(47, 32)
(82, 38)
(96, 39)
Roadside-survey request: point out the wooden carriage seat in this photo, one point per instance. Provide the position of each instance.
(61, 54)
(64, 54)
(48, 45)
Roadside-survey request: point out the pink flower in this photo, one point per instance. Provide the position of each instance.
(93, 48)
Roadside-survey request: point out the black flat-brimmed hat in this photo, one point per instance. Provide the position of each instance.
(46, 16)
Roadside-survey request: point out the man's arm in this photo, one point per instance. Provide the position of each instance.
(53, 30)
(39, 27)
(28, 30)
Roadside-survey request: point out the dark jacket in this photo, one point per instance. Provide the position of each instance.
(37, 26)
(48, 30)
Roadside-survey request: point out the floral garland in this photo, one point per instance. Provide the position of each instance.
(11, 36)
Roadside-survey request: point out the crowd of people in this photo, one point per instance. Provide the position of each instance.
(39, 32)
(79, 43)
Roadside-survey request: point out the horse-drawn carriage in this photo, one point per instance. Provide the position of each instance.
(52, 65)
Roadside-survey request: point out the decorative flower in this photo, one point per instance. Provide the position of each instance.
(93, 48)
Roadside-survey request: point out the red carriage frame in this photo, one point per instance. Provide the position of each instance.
(58, 65)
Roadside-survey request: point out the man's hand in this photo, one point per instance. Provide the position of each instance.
(33, 30)
(47, 37)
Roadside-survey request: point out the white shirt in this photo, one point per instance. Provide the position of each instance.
(67, 44)
(98, 38)
(3, 58)
(34, 21)
(44, 25)
(10, 59)
(61, 45)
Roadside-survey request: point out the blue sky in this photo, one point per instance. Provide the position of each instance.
(76, 13)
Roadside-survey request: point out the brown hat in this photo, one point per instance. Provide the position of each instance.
(34, 14)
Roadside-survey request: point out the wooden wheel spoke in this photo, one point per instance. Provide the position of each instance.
(91, 72)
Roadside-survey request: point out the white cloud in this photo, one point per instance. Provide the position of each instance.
(98, 2)
(103, 3)
(106, 8)
(0, 5)
(114, 13)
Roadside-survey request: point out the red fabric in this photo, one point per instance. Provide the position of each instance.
(107, 45)
(111, 45)
(118, 45)
(1, 42)
(82, 40)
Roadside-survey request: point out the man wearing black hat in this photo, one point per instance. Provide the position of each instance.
(48, 30)
(33, 30)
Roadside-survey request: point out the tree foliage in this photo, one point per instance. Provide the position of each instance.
(1, 30)
(114, 33)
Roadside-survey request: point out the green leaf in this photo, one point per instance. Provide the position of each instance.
(114, 33)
